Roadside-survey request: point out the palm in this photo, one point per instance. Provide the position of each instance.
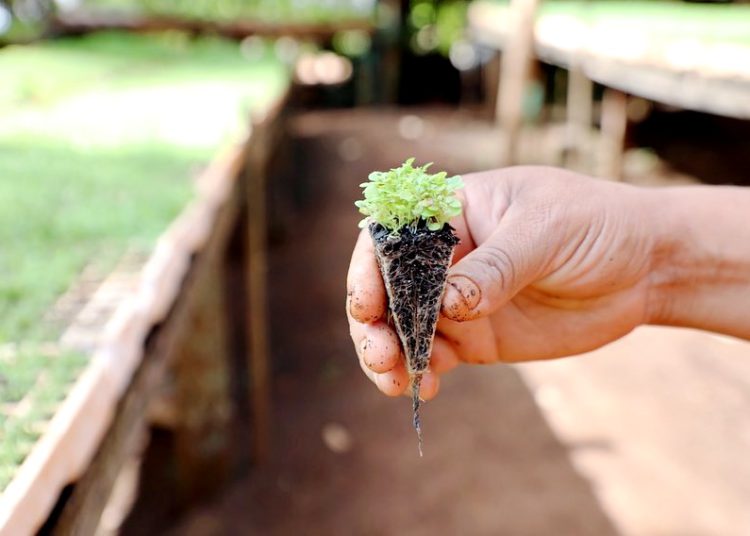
(581, 302)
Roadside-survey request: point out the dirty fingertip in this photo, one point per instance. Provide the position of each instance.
(429, 386)
(462, 296)
(385, 351)
(454, 306)
(392, 383)
(365, 305)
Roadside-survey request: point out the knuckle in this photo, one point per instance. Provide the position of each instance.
(500, 265)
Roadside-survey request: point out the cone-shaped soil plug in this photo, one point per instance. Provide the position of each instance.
(408, 211)
(414, 265)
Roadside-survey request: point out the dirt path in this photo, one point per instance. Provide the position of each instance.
(659, 421)
(491, 465)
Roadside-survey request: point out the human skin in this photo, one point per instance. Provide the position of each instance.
(553, 263)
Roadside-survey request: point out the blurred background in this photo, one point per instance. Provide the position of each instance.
(177, 182)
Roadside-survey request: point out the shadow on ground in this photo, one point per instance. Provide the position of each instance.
(491, 464)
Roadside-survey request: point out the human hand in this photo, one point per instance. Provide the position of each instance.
(551, 263)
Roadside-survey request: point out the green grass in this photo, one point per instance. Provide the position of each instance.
(232, 10)
(100, 140)
(31, 387)
(64, 208)
(661, 20)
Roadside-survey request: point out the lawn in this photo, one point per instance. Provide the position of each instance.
(100, 140)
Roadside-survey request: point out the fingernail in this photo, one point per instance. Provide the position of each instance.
(467, 289)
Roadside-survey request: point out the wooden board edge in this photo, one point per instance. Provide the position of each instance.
(69, 443)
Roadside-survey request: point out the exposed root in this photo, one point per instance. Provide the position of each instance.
(414, 265)
(415, 383)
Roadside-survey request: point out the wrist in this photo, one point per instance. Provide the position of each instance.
(700, 262)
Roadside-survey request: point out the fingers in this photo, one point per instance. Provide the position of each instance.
(470, 342)
(444, 358)
(485, 279)
(366, 297)
(377, 345)
(396, 382)
(381, 360)
(379, 349)
(429, 386)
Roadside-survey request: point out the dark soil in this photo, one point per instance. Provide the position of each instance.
(414, 264)
(493, 467)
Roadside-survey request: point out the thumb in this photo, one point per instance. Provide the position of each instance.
(488, 277)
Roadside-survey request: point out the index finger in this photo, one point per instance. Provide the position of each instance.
(365, 290)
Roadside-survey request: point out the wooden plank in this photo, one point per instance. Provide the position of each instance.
(515, 69)
(701, 87)
(81, 22)
(490, 86)
(82, 512)
(131, 377)
(614, 124)
(202, 399)
(123, 497)
(267, 131)
(691, 91)
(579, 110)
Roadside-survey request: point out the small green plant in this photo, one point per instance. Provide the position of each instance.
(407, 212)
(406, 195)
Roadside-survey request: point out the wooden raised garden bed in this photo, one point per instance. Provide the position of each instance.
(116, 256)
(693, 56)
(684, 55)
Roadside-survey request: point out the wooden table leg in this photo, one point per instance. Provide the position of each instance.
(614, 124)
(516, 61)
(579, 111)
(257, 296)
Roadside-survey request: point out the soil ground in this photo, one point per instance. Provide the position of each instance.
(657, 422)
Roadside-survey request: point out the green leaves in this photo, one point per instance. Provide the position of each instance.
(403, 196)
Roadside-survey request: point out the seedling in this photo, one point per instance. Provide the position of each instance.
(407, 211)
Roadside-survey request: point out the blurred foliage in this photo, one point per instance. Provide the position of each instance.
(233, 10)
(22, 20)
(26, 19)
(435, 25)
(352, 43)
